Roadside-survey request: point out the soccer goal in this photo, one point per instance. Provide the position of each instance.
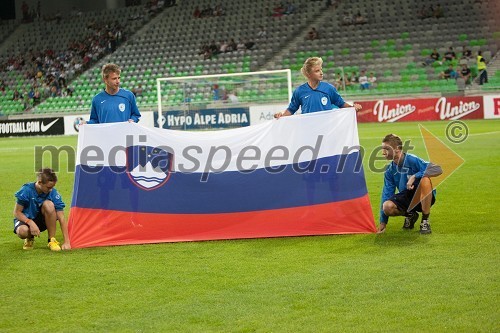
(224, 90)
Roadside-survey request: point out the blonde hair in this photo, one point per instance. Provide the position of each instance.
(309, 64)
(110, 68)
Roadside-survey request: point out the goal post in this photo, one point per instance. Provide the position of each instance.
(224, 90)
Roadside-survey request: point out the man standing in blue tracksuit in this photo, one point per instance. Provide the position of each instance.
(113, 104)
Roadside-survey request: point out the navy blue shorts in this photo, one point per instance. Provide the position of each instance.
(39, 221)
(403, 199)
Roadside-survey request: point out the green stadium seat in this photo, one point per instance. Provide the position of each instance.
(407, 47)
(425, 52)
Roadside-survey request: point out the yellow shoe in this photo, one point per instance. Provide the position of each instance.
(28, 243)
(54, 245)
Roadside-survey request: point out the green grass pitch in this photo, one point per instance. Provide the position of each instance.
(396, 282)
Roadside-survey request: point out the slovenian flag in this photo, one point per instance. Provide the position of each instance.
(299, 175)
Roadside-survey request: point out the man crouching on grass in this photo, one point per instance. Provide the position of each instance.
(38, 207)
(411, 176)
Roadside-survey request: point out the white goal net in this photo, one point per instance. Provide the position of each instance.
(219, 101)
(222, 90)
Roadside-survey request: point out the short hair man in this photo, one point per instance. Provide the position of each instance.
(38, 207)
(411, 175)
(113, 104)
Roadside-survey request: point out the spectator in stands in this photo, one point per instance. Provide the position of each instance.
(438, 11)
(25, 10)
(62, 80)
(214, 48)
(312, 34)
(31, 93)
(111, 45)
(278, 10)
(27, 101)
(232, 46)
(137, 91)
(241, 45)
(347, 18)
(223, 94)
(70, 91)
(353, 78)
(424, 13)
(36, 97)
(154, 7)
(223, 46)
(54, 85)
(262, 33)
(197, 12)
(76, 12)
(39, 9)
(363, 81)
(170, 3)
(289, 8)
(465, 74)
(359, 19)
(232, 97)
(113, 104)
(16, 95)
(207, 12)
(433, 57)
(58, 17)
(346, 81)
(481, 67)
(134, 17)
(215, 92)
(338, 82)
(449, 55)
(449, 73)
(249, 44)
(314, 95)
(218, 10)
(54, 92)
(372, 80)
(431, 10)
(205, 51)
(466, 52)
